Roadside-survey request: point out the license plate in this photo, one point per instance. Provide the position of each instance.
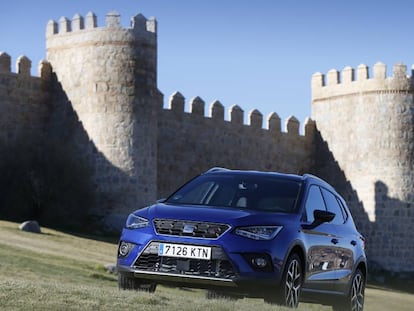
(184, 251)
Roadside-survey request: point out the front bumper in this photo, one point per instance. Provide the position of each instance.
(219, 266)
(176, 278)
(218, 273)
(252, 287)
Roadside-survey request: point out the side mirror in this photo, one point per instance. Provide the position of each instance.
(161, 200)
(322, 216)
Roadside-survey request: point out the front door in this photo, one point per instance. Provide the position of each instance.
(321, 243)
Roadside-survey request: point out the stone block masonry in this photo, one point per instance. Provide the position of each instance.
(109, 76)
(24, 100)
(191, 143)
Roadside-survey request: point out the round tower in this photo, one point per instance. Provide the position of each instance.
(109, 76)
(368, 126)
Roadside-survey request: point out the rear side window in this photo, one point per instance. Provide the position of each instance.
(344, 212)
(314, 201)
(334, 207)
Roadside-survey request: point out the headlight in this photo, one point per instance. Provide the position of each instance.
(258, 232)
(135, 222)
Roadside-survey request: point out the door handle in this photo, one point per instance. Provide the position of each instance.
(335, 241)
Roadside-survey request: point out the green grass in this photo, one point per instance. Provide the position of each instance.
(59, 271)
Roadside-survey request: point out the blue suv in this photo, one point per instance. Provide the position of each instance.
(282, 237)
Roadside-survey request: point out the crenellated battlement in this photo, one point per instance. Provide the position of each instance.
(197, 105)
(24, 99)
(139, 24)
(350, 81)
(24, 66)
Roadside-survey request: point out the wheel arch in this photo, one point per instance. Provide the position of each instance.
(299, 249)
(362, 266)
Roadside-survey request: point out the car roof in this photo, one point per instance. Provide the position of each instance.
(306, 178)
(225, 171)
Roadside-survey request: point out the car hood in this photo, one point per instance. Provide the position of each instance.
(214, 214)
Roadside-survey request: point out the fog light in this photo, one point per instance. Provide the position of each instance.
(124, 248)
(260, 262)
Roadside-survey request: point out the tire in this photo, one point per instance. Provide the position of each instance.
(128, 283)
(291, 284)
(356, 296)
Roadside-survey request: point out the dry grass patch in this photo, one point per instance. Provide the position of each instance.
(59, 271)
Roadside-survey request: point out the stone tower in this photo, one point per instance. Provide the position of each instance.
(368, 125)
(109, 76)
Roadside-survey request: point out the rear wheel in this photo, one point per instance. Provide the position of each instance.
(356, 296)
(129, 283)
(291, 285)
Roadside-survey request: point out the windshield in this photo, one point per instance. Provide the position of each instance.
(265, 193)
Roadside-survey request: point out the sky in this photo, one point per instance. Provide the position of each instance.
(258, 54)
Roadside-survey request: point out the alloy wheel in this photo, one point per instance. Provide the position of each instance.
(357, 293)
(293, 283)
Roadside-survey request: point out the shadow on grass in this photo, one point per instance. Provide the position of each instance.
(107, 237)
(401, 282)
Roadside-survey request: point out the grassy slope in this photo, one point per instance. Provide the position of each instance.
(57, 271)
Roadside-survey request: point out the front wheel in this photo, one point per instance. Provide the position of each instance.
(129, 283)
(291, 285)
(356, 296)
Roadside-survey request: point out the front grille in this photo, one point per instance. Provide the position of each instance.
(187, 228)
(217, 267)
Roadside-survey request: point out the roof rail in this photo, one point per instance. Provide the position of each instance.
(217, 169)
(313, 176)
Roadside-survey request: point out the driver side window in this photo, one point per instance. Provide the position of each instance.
(314, 201)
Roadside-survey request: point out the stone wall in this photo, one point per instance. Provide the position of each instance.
(368, 125)
(190, 143)
(24, 99)
(109, 76)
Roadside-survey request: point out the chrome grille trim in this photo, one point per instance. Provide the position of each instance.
(188, 228)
